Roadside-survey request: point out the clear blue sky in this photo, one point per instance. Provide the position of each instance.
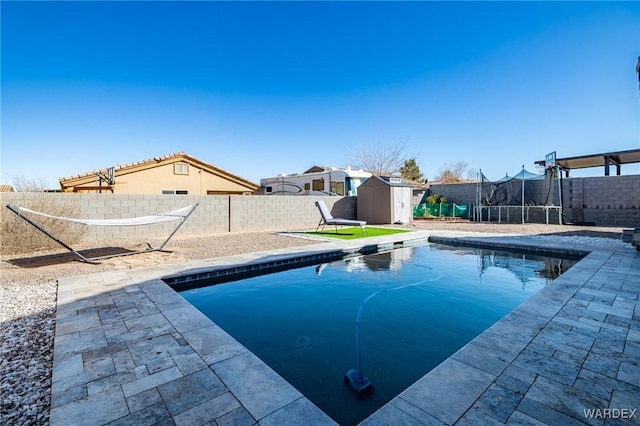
(270, 87)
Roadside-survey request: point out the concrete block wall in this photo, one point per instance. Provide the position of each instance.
(459, 193)
(215, 213)
(626, 218)
(284, 212)
(606, 192)
(211, 216)
(605, 200)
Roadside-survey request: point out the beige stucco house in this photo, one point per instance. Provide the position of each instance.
(177, 173)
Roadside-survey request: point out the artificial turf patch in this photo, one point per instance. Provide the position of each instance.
(356, 232)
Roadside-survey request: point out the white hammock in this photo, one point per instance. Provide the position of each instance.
(142, 220)
(179, 214)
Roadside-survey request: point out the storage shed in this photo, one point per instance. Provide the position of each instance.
(383, 199)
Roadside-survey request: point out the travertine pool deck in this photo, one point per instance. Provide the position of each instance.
(130, 350)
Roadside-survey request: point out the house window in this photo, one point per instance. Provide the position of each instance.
(318, 184)
(337, 187)
(307, 186)
(269, 189)
(175, 192)
(210, 192)
(180, 168)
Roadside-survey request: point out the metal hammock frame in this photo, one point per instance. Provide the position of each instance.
(179, 214)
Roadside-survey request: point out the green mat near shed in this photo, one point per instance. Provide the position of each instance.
(352, 233)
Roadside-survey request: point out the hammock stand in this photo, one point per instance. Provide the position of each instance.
(179, 214)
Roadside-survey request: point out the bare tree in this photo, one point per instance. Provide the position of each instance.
(379, 159)
(452, 172)
(23, 184)
(472, 174)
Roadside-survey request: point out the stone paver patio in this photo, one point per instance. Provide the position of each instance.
(130, 350)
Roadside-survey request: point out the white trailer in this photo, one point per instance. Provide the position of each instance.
(331, 181)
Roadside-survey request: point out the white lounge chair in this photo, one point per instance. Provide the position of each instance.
(328, 219)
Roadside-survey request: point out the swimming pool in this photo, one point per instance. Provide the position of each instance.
(417, 305)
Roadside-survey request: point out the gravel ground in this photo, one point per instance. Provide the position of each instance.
(28, 291)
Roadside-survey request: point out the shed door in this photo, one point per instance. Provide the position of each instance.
(401, 205)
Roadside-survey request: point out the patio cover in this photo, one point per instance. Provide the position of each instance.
(606, 159)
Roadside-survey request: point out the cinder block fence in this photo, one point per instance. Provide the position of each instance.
(215, 213)
(605, 200)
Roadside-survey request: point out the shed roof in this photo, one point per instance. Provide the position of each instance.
(388, 180)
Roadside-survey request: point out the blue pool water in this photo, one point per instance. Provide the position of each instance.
(422, 305)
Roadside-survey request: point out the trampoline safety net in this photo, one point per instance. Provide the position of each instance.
(535, 196)
(538, 190)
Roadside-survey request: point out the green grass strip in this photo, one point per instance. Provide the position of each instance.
(355, 232)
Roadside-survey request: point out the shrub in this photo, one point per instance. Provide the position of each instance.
(19, 237)
(435, 199)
